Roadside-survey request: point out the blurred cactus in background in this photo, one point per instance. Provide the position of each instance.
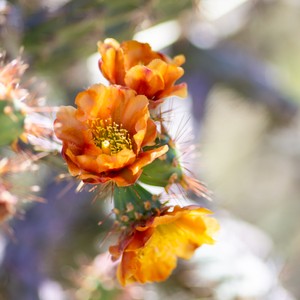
(112, 115)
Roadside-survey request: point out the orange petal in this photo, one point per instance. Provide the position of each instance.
(124, 177)
(67, 128)
(144, 81)
(95, 102)
(115, 162)
(73, 168)
(136, 53)
(147, 157)
(112, 62)
(151, 134)
(170, 72)
(104, 162)
(127, 268)
(132, 113)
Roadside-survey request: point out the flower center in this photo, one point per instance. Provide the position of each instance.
(109, 136)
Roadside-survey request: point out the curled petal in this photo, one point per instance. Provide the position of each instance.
(144, 81)
(112, 61)
(170, 74)
(136, 53)
(69, 129)
(150, 134)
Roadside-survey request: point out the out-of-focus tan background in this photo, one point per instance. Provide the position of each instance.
(243, 73)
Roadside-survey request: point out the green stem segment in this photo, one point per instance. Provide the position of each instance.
(166, 170)
(134, 204)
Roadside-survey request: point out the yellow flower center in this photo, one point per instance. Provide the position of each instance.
(109, 136)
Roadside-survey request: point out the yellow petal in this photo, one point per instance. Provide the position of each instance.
(151, 253)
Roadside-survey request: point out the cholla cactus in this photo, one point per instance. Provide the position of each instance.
(116, 136)
(23, 130)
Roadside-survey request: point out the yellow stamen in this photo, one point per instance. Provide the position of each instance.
(109, 136)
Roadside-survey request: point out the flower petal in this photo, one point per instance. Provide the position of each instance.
(111, 63)
(170, 74)
(150, 135)
(144, 80)
(147, 157)
(136, 53)
(67, 128)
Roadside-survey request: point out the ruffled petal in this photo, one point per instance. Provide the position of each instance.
(144, 80)
(67, 128)
(136, 53)
(111, 63)
(170, 74)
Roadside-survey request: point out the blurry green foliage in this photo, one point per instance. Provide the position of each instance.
(75, 27)
(12, 125)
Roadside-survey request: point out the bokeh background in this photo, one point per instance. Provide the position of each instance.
(242, 69)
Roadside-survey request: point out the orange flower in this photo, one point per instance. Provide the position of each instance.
(103, 138)
(135, 65)
(150, 253)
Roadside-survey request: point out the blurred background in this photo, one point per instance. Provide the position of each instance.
(242, 69)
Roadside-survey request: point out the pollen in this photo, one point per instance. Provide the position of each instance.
(109, 136)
